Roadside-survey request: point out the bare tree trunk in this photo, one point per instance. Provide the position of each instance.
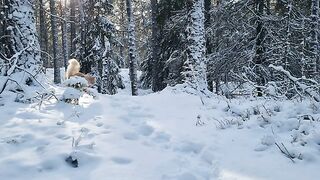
(207, 7)
(72, 26)
(64, 29)
(156, 83)
(43, 34)
(285, 61)
(310, 65)
(54, 32)
(82, 29)
(132, 50)
(122, 32)
(260, 49)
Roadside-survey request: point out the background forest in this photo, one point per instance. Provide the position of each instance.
(183, 90)
(261, 47)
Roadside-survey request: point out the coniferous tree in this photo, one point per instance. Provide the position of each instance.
(20, 59)
(23, 46)
(172, 22)
(95, 45)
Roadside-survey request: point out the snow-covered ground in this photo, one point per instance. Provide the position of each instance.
(168, 135)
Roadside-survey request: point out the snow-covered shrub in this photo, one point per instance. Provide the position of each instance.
(71, 95)
(76, 82)
(292, 127)
(76, 86)
(293, 87)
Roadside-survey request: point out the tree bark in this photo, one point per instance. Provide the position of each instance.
(43, 34)
(72, 26)
(196, 74)
(64, 29)
(156, 82)
(260, 49)
(132, 50)
(54, 32)
(310, 66)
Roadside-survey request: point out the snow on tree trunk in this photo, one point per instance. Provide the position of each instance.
(310, 65)
(285, 61)
(132, 50)
(24, 47)
(196, 68)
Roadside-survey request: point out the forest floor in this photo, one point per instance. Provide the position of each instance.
(158, 136)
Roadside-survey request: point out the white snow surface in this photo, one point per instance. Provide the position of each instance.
(159, 136)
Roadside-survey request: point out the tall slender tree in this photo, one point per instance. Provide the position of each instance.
(133, 65)
(156, 83)
(72, 26)
(260, 47)
(54, 33)
(195, 64)
(64, 29)
(43, 34)
(310, 65)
